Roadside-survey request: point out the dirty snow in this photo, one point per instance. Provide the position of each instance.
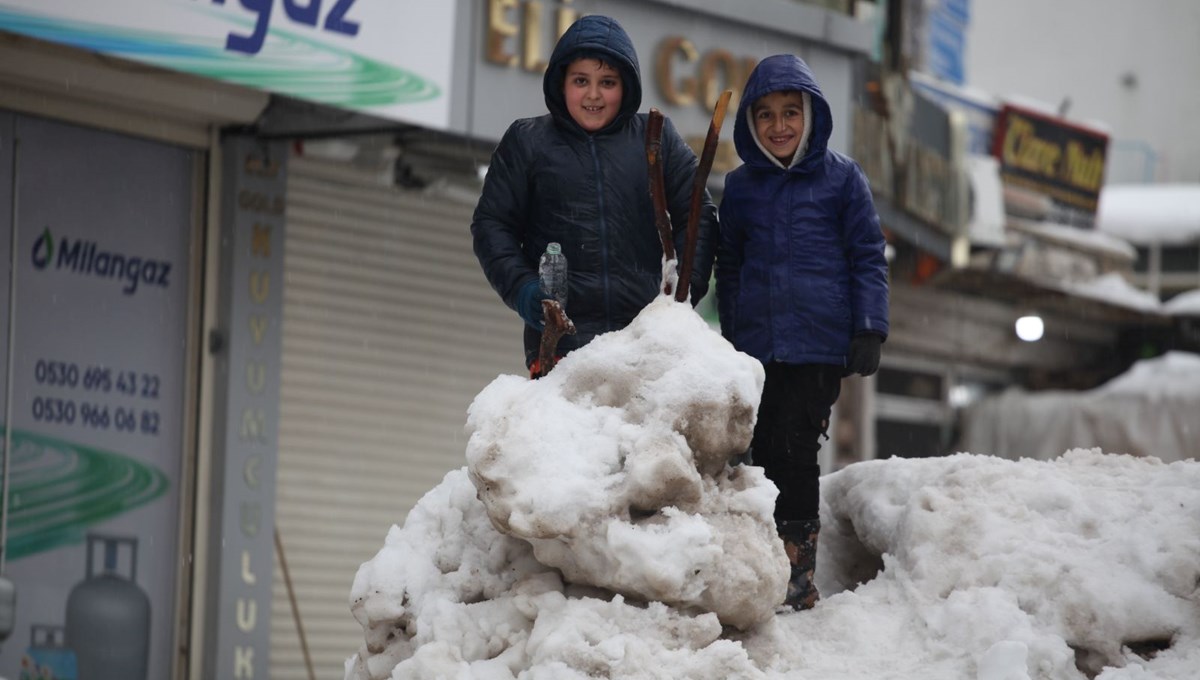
(611, 472)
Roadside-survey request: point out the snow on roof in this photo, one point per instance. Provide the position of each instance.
(1115, 290)
(1085, 239)
(1172, 375)
(1184, 304)
(1150, 213)
(1149, 410)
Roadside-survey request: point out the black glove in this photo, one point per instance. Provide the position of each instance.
(529, 305)
(864, 354)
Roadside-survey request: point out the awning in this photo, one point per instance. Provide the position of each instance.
(1072, 300)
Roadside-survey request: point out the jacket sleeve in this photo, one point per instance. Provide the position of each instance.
(498, 225)
(679, 173)
(730, 253)
(864, 244)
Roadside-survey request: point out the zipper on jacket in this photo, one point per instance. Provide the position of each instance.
(779, 316)
(608, 322)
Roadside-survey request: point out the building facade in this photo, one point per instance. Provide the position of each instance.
(243, 310)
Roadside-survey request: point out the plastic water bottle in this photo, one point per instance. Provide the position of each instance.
(553, 269)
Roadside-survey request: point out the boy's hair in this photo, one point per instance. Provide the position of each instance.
(599, 56)
(803, 102)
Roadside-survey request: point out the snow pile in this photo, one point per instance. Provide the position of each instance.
(970, 567)
(1148, 411)
(449, 596)
(612, 471)
(650, 417)
(1029, 569)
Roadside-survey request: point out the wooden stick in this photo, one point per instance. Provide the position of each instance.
(699, 183)
(557, 325)
(287, 582)
(658, 193)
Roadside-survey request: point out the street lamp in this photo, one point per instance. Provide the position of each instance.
(1030, 328)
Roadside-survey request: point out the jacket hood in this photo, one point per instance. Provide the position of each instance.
(773, 74)
(594, 36)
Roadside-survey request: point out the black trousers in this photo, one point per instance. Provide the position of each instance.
(793, 415)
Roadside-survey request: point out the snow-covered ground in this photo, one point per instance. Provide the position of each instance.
(597, 533)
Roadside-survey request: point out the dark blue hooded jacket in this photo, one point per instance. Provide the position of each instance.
(800, 266)
(550, 180)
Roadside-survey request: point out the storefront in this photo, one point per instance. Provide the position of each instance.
(104, 176)
(390, 328)
(144, 235)
(287, 368)
(988, 207)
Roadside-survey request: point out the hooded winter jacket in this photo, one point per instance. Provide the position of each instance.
(550, 180)
(800, 266)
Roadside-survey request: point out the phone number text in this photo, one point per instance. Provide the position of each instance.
(101, 379)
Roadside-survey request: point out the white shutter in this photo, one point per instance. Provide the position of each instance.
(389, 332)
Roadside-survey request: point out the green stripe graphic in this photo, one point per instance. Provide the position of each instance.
(288, 63)
(58, 489)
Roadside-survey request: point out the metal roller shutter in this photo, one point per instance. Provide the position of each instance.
(389, 332)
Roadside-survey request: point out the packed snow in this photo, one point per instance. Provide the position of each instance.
(1088, 240)
(1114, 289)
(598, 531)
(1150, 213)
(1184, 304)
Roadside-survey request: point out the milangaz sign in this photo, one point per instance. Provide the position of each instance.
(1050, 156)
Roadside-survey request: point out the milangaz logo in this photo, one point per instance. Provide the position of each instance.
(86, 257)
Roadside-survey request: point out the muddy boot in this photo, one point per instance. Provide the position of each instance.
(800, 543)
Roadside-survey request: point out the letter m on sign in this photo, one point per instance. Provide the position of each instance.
(254, 425)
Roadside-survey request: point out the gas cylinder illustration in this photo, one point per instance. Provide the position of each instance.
(47, 658)
(108, 616)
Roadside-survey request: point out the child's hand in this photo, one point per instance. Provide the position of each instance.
(864, 354)
(529, 305)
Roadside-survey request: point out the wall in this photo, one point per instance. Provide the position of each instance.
(501, 57)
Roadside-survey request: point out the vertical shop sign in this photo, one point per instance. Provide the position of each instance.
(100, 299)
(253, 220)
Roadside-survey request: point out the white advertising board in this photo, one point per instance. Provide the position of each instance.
(98, 371)
(390, 58)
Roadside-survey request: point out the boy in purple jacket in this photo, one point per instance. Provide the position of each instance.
(802, 286)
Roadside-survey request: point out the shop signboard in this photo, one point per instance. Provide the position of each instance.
(947, 39)
(245, 460)
(96, 372)
(388, 58)
(1048, 155)
(916, 162)
(980, 111)
(687, 59)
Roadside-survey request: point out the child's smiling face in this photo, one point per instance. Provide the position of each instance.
(593, 92)
(779, 123)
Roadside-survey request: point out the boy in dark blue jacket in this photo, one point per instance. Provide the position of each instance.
(578, 176)
(801, 285)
